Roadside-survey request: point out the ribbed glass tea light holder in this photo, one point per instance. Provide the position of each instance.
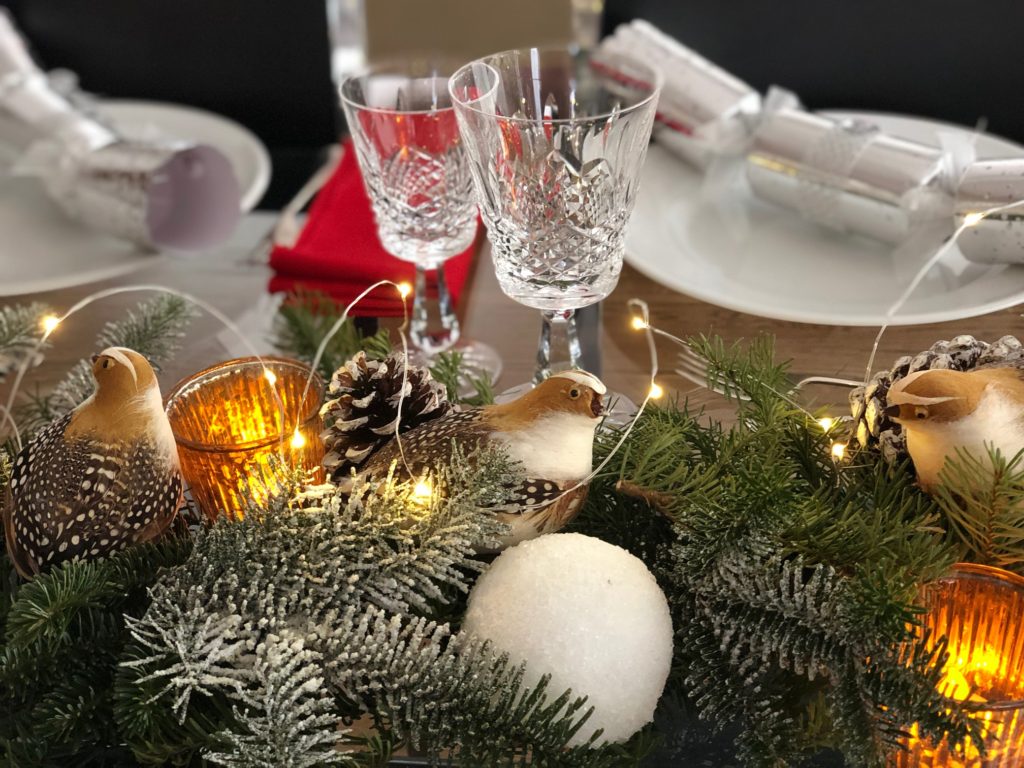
(233, 443)
(980, 610)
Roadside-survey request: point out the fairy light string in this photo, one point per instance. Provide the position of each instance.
(640, 321)
(52, 322)
(969, 220)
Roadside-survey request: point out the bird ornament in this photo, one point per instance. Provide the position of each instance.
(99, 479)
(549, 431)
(945, 410)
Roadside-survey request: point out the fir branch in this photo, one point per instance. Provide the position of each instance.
(449, 369)
(20, 326)
(305, 319)
(982, 500)
(6, 468)
(64, 632)
(287, 718)
(456, 695)
(300, 563)
(787, 569)
(154, 329)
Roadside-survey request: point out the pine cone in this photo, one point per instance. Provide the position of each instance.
(360, 416)
(867, 404)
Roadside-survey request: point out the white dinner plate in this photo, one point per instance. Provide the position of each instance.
(41, 249)
(786, 268)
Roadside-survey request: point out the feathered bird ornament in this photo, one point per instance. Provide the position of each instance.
(942, 410)
(99, 479)
(549, 430)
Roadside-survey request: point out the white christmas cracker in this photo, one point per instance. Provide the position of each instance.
(843, 174)
(160, 194)
(703, 111)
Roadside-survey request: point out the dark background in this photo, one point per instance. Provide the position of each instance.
(265, 62)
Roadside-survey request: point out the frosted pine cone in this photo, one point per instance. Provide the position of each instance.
(360, 414)
(867, 404)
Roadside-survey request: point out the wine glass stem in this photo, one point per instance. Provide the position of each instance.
(559, 346)
(446, 335)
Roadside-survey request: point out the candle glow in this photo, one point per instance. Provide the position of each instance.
(237, 437)
(980, 610)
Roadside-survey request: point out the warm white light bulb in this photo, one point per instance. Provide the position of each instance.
(973, 218)
(298, 441)
(405, 289)
(838, 451)
(826, 423)
(422, 492)
(50, 323)
(656, 390)
(639, 324)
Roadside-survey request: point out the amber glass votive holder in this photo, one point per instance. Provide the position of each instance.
(980, 610)
(236, 438)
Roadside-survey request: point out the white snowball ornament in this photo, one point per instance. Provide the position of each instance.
(586, 612)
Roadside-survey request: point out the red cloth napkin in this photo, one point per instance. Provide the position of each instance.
(339, 253)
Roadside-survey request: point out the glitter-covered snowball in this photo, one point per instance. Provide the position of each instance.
(586, 612)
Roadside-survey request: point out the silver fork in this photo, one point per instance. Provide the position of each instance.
(693, 368)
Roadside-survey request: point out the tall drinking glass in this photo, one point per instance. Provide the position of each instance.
(556, 140)
(418, 179)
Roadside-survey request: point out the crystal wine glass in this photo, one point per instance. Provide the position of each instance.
(556, 140)
(418, 179)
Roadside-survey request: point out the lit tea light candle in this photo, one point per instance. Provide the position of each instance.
(239, 424)
(980, 610)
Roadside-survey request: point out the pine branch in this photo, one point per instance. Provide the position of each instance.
(305, 320)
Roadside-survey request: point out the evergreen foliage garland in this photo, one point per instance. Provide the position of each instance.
(792, 581)
(19, 332)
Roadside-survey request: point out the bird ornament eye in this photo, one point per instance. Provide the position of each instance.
(107, 362)
(574, 393)
(920, 412)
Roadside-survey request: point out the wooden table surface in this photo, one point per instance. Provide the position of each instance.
(235, 288)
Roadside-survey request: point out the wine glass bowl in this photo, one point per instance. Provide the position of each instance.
(420, 186)
(414, 169)
(556, 140)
